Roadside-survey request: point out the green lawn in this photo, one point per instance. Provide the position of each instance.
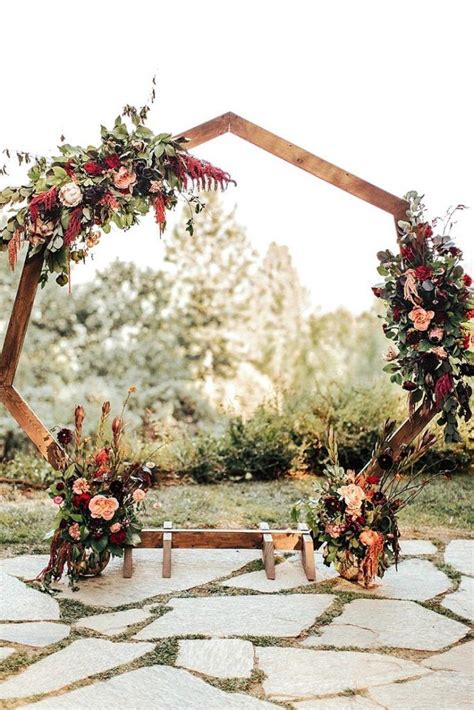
(444, 508)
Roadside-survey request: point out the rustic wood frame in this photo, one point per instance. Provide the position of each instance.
(22, 307)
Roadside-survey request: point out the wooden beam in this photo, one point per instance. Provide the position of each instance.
(207, 131)
(20, 316)
(220, 539)
(316, 166)
(32, 426)
(127, 562)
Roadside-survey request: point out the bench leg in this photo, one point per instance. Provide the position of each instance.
(268, 552)
(307, 553)
(127, 562)
(167, 544)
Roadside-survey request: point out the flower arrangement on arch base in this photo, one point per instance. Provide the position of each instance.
(99, 495)
(353, 516)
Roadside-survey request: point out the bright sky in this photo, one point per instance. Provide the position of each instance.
(383, 90)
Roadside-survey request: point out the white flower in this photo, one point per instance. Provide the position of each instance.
(70, 194)
(391, 354)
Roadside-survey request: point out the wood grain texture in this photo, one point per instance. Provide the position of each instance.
(32, 426)
(220, 539)
(307, 553)
(268, 551)
(19, 319)
(127, 562)
(167, 544)
(207, 131)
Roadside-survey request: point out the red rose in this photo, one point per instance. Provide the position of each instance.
(373, 479)
(407, 252)
(81, 500)
(424, 230)
(118, 538)
(467, 280)
(102, 457)
(112, 162)
(423, 273)
(93, 168)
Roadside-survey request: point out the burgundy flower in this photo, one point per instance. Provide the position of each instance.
(81, 500)
(93, 168)
(378, 498)
(409, 386)
(385, 461)
(424, 230)
(377, 291)
(373, 480)
(407, 252)
(413, 337)
(112, 161)
(396, 313)
(454, 251)
(467, 280)
(444, 386)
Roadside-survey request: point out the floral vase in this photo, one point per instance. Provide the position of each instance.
(91, 564)
(354, 570)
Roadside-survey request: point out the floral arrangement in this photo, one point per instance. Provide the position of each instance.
(99, 495)
(72, 198)
(429, 305)
(354, 515)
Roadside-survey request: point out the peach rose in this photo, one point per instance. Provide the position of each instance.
(70, 194)
(123, 178)
(103, 507)
(353, 496)
(80, 486)
(74, 531)
(421, 318)
(138, 495)
(115, 527)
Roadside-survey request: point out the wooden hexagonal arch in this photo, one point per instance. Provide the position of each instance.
(228, 122)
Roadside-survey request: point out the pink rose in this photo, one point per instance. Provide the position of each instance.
(138, 495)
(421, 318)
(353, 496)
(103, 507)
(58, 500)
(123, 178)
(115, 527)
(80, 485)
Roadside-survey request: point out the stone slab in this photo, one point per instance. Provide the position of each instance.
(159, 687)
(114, 623)
(341, 702)
(24, 566)
(288, 575)
(460, 658)
(374, 623)
(21, 603)
(461, 602)
(260, 615)
(415, 548)
(460, 555)
(5, 652)
(221, 658)
(298, 674)
(34, 633)
(443, 690)
(81, 659)
(415, 580)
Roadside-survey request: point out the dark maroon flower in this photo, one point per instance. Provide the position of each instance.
(444, 386)
(81, 500)
(93, 168)
(409, 386)
(454, 251)
(407, 252)
(65, 436)
(385, 460)
(118, 538)
(467, 280)
(396, 313)
(413, 337)
(377, 291)
(378, 498)
(59, 486)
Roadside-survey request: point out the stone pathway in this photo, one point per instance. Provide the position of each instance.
(219, 635)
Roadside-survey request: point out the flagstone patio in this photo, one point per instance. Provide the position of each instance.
(219, 634)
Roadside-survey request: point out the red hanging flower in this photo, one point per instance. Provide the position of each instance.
(93, 168)
(201, 173)
(467, 280)
(45, 199)
(74, 226)
(69, 169)
(159, 205)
